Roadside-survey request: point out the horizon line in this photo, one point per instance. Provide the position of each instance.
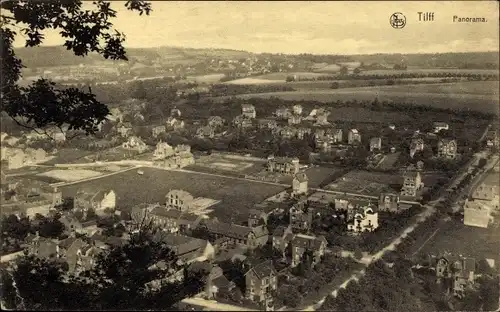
(277, 53)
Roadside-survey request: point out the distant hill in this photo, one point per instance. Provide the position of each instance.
(48, 56)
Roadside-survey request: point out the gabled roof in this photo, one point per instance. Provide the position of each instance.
(308, 242)
(301, 177)
(264, 269)
(181, 244)
(228, 229)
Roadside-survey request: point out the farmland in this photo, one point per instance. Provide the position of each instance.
(457, 238)
(383, 72)
(373, 183)
(132, 189)
(282, 76)
(210, 78)
(481, 96)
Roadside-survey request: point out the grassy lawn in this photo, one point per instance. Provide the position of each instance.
(457, 238)
(317, 175)
(132, 189)
(69, 155)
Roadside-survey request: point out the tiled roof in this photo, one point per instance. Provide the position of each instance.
(167, 213)
(264, 269)
(308, 242)
(182, 245)
(301, 177)
(227, 229)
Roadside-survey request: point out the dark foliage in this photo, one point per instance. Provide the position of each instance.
(41, 105)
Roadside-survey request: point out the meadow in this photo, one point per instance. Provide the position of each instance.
(481, 96)
(237, 196)
(457, 238)
(383, 72)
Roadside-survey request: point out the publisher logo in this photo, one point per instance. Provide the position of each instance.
(397, 20)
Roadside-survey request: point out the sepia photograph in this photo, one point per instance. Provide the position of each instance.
(250, 155)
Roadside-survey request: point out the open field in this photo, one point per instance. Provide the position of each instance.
(389, 160)
(430, 71)
(132, 189)
(317, 175)
(282, 76)
(481, 96)
(223, 164)
(68, 155)
(70, 175)
(210, 78)
(374, 183)
(253, 81)
(457, 238)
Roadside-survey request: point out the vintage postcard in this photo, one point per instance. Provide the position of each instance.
(250, 155)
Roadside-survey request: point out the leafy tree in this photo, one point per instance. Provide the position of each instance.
(66, 205)
(291, 297)
(343, 71)
(14, 231)
(50, 227)
(335, 85)
(41, 104)
(357, 71)
(119, 280)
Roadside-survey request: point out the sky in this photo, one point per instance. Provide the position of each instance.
(308, 26)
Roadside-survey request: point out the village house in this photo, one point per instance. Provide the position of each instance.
(242, 122)
(115, 115)
(455, 273)
(179, 199)
(181, 157)
(248, 111)
(300, 217)
(175, 113)
(124, 129)
(205, 132)
(294, 120)
(297, 109)
(216, 282)
(438, 126)
(100, 201)
(305, 243)
(17, 158)
(492, 139)
(58, 135)
(187, 249)
(135, 144)
(175, 123)
(299, 184)
(364, 220)
(163, 150)
(392, 126)
(375, 144)
(251, 237)
(388, 202)
(44, 248)
(416, 145)
(302, 131)
(262, 284)
(482, 202)
(447, 149)
(283, 165)
(270, 124)
(173, 220)
(283, 113)
(353, 137)
(257, 217)
(412, 182)
(322, 118)
(287, 132)
(282, 236)
(156, 131)
(215, 122)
